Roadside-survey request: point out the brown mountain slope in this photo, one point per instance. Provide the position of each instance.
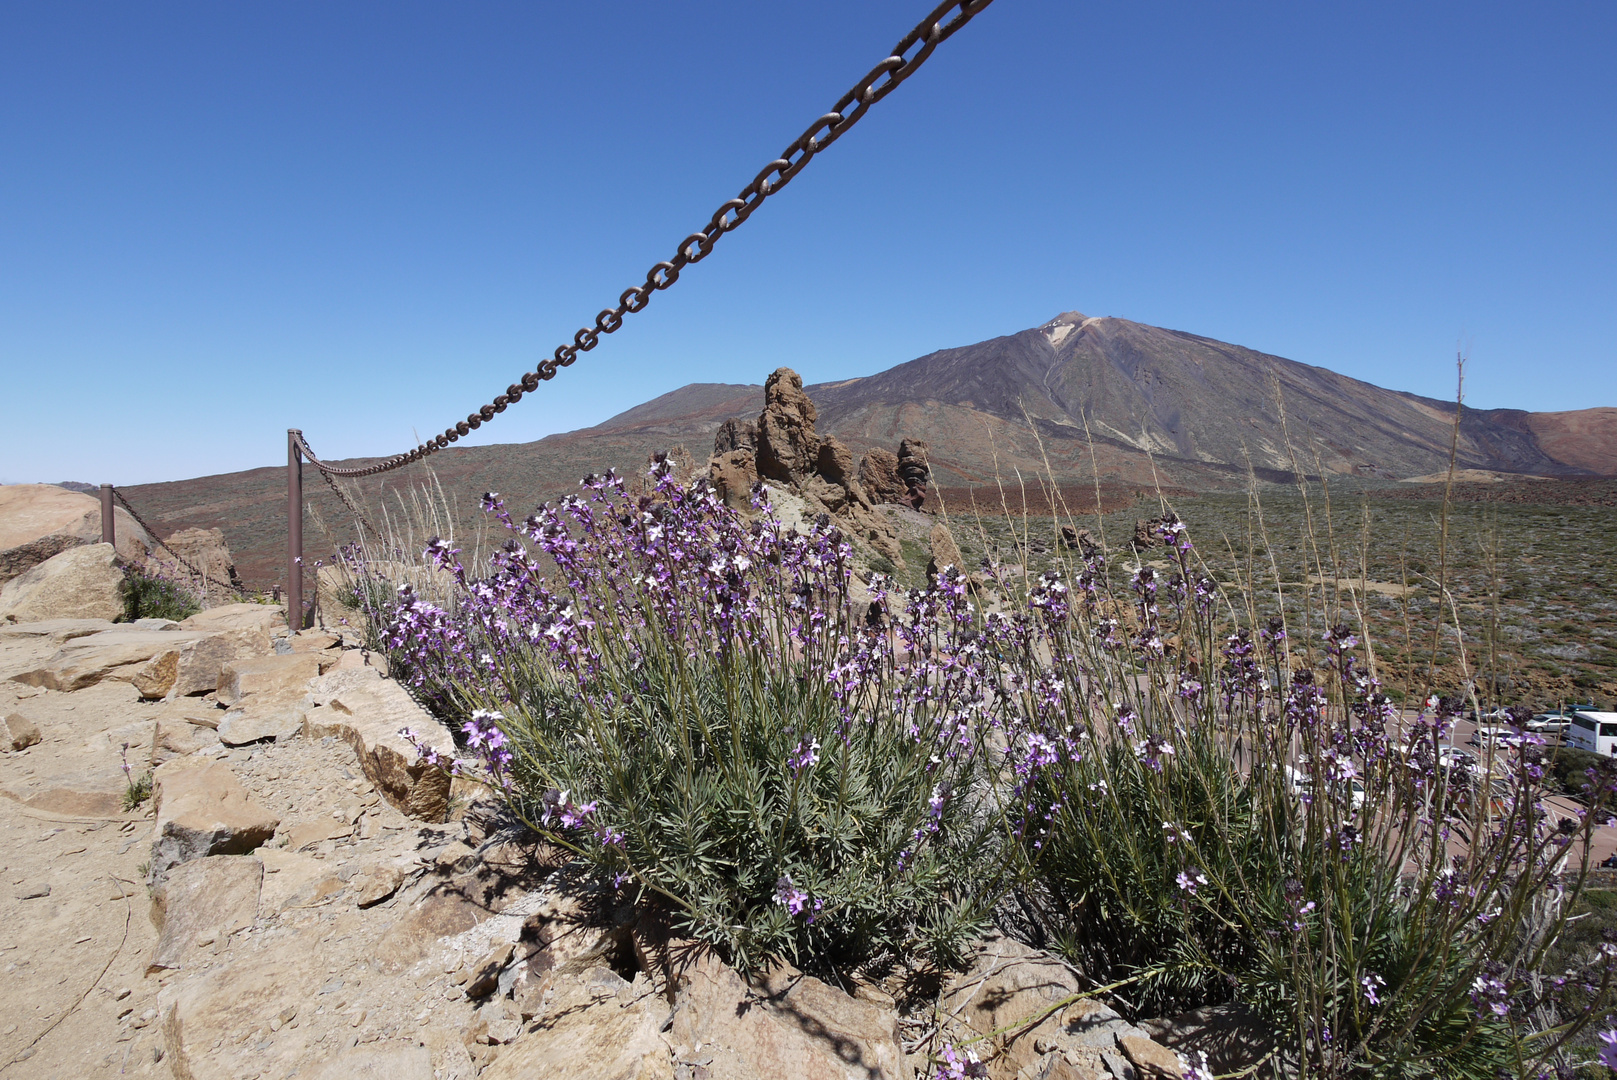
(1160, 406)
(1585, 438)
(1190, 399)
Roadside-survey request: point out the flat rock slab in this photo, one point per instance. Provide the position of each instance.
(378, 1063)
(269, 618)
(280, 673)
(120, 654)
(311, 833)
(77, 766)
(182, 728)
(203, 810)
(367, 711)
(201, 902)
(263, 716)
(56, 630)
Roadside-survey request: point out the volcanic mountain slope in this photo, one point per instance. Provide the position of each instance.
(1101, 394)
(1078, 398)
(1190, 401)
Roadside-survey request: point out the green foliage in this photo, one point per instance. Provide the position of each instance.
(1568, 768)
(693, 759)
(153, 596)
(138, 791)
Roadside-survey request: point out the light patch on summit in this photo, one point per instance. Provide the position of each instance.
(1062, 326)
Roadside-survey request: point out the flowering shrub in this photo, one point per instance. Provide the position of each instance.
(1229, 815)
(1196, 804)
(693, 703)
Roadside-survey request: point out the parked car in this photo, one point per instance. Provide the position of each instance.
(1494, 735)
(1550, 723)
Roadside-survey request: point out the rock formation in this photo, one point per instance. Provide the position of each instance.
(204, 549)
(735, 434)
(787, 444)
(1144, 537)
(913, 471)
(784, 447)
(38, 521)
(878, 472)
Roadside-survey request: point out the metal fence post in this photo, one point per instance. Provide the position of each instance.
(109, 530)
(294, 531)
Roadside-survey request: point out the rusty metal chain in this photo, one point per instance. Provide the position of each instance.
(910, 53)
(181, 559)
(331, 482)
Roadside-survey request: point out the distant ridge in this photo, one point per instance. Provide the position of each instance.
(1078, 397)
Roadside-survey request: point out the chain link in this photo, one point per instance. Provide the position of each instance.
(181, 559)
(331, 482)
(910, 53)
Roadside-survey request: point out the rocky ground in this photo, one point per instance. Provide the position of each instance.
(297, 898)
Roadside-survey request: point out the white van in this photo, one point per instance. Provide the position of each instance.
(1593, 731)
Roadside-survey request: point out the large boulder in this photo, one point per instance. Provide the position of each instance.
(203, 810)
(206, 550)
(83, 582)
(788, 447)
(38, 521)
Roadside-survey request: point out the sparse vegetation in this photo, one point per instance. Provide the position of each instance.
(138, 791)
(148, 593)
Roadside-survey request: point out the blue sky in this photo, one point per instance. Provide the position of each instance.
(221, 220)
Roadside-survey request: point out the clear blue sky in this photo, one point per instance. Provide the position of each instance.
(221, 220)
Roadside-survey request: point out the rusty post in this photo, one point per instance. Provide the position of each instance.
(294, 531)
(109, 529)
